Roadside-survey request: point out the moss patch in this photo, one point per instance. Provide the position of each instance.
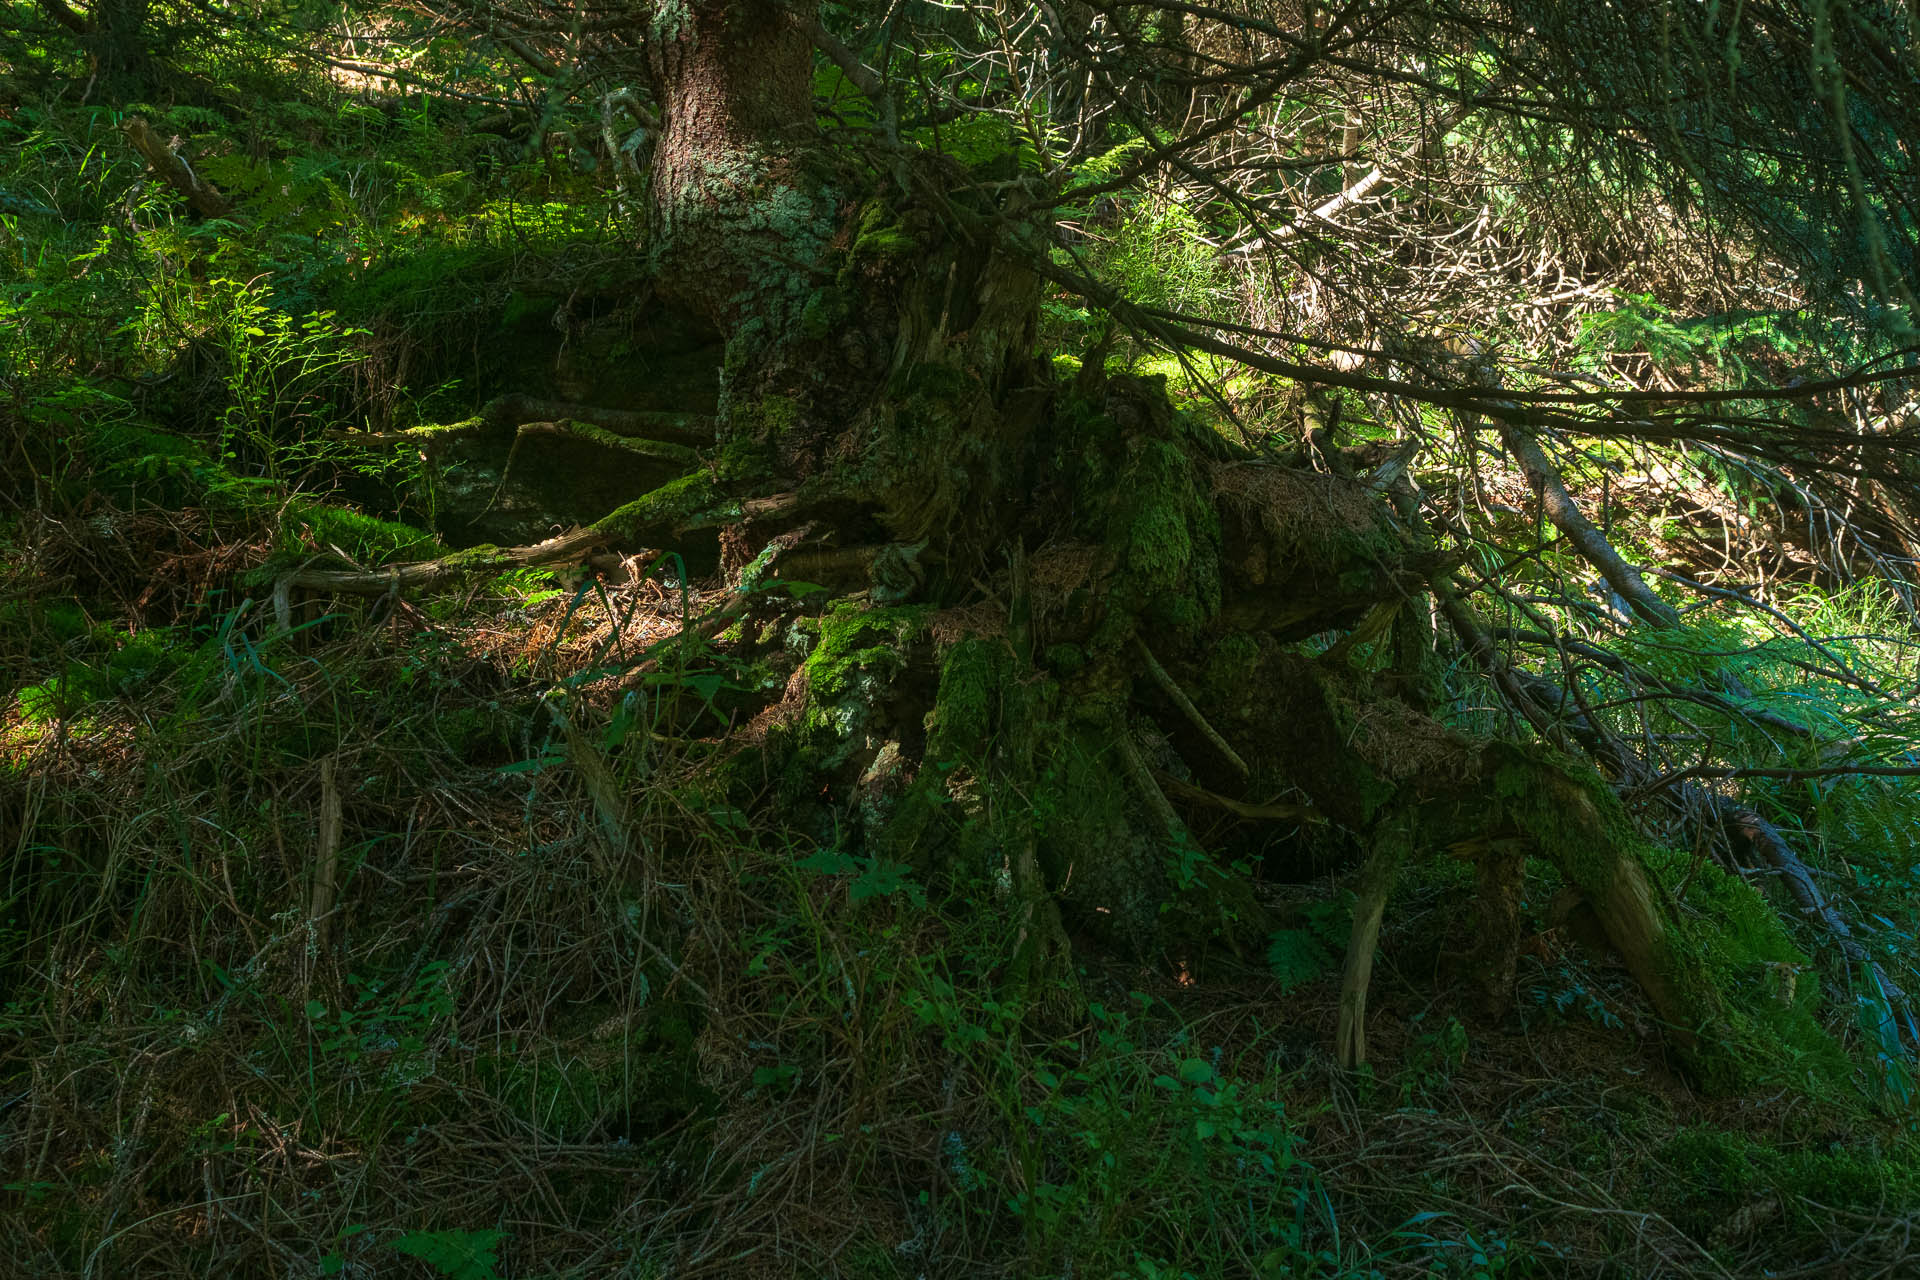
(694, 501)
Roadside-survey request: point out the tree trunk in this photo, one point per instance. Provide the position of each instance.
(972, 699)
(735, 79)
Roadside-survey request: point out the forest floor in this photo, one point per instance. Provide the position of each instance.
(440, 936)
(346, 965)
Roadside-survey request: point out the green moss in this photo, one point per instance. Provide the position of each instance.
(1230, 670)
(693, 501)
(114, 663)
(1771, 994)
(881, 234)
(1140, 485)
(678, 455)
(961, 726)
(1065, 659)
(1727, 963)
(854, 654)
(1566, 808)
(825, 311)
(473, 733)
(66, 621)
(430, 433)
(1155, 525)
(131, 462)
(767, 419)
(368, 539)
(1711, 1171)
(858, 645)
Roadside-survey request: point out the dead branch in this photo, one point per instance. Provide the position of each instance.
(174, 171)
(424, 575)
(1182, 701)
(1565, 515)
(671, 428)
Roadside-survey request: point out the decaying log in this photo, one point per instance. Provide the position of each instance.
(174, 171)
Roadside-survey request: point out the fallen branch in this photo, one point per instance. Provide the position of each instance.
(1565, 515)
(1786, 775)
(568, 548)
(426, 439)
(1182, 701)
(638, 424)
(174, 171)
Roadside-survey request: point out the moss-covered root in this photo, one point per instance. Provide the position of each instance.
(1041, 967)
(1393, 839)
(1622, 895)
(1579, 825)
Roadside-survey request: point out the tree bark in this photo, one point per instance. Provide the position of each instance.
(734, 78)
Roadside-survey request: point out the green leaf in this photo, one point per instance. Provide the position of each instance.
(533, 766)
(459, 1255)
(1196, 1071)
(829, 862)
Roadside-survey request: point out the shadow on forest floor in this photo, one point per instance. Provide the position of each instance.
(441, 932)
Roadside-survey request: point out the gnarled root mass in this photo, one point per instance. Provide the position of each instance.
(1062, 634)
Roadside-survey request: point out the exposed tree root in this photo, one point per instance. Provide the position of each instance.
(1239, 808)
(1148, 790)
(1392, 843)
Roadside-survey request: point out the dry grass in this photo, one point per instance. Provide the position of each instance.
(669, 1047)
